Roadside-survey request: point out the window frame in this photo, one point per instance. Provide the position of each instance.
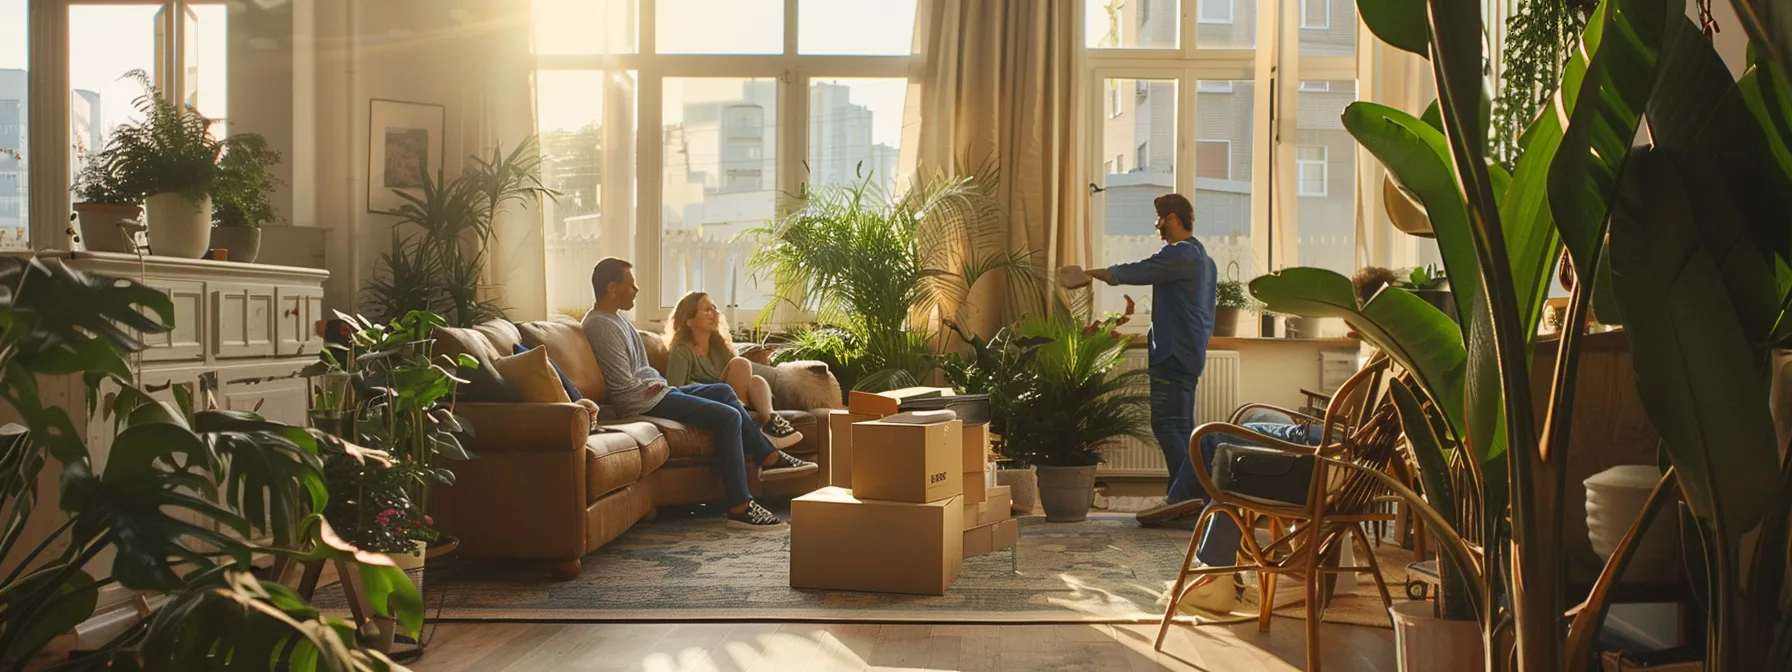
(48, 197)
(794, 72)
(1231, 12)
(1305, 14)
(1301, 165)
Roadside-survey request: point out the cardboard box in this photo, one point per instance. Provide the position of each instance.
(840, 445)
(881, 404)
(976, 448)
(991, 538)
(840, 542)
(976, 489)
(907, 463)
(993, 510)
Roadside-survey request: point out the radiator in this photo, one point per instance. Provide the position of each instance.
(1215, 399)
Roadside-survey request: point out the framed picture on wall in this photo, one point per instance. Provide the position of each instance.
(404, 144)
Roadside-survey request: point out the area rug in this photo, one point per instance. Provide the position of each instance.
(694, 568)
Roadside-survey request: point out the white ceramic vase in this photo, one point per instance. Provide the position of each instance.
(1424, 642)
(178, 228)
(1615, 497)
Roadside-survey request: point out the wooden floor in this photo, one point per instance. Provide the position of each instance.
(788, 647)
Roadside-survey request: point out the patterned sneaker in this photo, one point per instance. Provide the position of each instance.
(754, 518)
(780, 433)
(787, 467)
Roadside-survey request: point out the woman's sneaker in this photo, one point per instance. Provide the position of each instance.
(781, 434)
(754, 518)
(787, 467)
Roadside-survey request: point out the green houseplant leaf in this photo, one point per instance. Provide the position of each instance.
(1400, 23)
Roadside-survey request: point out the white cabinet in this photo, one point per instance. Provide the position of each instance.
(240, 333)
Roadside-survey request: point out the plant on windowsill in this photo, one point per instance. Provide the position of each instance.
(242, 198)
(108, 208)
(1430, 283)
(1072, 401)
(180, 498)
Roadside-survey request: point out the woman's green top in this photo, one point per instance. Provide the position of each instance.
(684, 366)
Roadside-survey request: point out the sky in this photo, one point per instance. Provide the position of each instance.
(568, 100)
(106, 41)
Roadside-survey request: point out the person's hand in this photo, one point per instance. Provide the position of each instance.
(655, 388)
(1073, 277)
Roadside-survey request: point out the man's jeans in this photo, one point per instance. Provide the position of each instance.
(1172, 421)
(1219, 546)
(734, 435)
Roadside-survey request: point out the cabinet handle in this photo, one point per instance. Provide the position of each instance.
(293, 312)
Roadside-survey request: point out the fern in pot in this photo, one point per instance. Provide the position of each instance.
(241, 197)
(175, 162)
(107, 206)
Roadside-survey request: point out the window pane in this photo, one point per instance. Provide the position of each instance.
(1325, 180)
(1225, 24)
(855, 27)
(575, 151)
(1327, 27)
(13, 86)
(855, 128)
(1142, 140)
(1131, 24)
(719, 26)
(1225, 115)
(208, 43)
(716, 186)
(585, 26)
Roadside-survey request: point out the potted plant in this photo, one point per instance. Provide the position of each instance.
(1070, 402)
(173, 158)
(173, 511)
(1231, 300)
(998, 367)
(1429, 283)
(384, 386)
(241, 197)
(108, 209)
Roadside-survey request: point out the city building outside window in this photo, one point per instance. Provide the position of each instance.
(1310, 167)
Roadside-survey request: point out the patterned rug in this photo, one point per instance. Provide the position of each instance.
(692, 567)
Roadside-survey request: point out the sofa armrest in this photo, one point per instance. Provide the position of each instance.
(525, 427)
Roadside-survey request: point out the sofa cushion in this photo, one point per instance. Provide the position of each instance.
(500, 334)
(483, 381)
(451, 341)
(532, 375)
(568, 348)
(657, 352)
(571, 391)
(613, 463)
(682, 440)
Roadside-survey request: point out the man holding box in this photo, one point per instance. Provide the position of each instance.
(636, 388)
(1182, 279)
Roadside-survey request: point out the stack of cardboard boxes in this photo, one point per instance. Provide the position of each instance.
(910, 502)
(898, 525)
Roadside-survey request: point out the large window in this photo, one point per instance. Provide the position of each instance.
(738, 115)
(1230, 116)
(180, 46)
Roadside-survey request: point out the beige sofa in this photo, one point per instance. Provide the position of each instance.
(545, 486)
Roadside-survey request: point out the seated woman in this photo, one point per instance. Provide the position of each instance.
(702, 352)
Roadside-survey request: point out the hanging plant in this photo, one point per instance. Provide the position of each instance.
(1540, 37)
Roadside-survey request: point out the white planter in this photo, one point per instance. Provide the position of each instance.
(178, 228)
(1615, 497)
(1424, 643)
(1023, 485)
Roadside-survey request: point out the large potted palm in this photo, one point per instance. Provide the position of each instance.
(1070, 402)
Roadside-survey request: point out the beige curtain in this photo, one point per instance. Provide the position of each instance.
(998, 80)
(1403, 81)
(498, 97)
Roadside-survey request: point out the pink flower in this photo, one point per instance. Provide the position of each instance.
(428, 520)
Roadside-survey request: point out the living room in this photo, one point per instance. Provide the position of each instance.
(917, 334)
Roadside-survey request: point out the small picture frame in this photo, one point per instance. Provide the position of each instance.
(404, 143)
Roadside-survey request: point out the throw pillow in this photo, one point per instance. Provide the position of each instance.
(484, 383)
(572, 392)
(533, 376)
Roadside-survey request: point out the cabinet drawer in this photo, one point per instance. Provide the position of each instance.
(187, 340)
(300, 309)
(243, 319)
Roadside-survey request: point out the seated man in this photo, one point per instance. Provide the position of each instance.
(635, 388)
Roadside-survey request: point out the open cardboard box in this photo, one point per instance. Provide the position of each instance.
(842, 542)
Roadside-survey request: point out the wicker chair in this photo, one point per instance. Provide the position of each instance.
(1360, 426)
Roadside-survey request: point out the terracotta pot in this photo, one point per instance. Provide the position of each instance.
(1067, 492)
(1423, 642)
(241, 243)
(1225, 321)
(100, 230)
(178, 228)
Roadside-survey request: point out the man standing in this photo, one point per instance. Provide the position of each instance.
(1182, 279)
(635, 388)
